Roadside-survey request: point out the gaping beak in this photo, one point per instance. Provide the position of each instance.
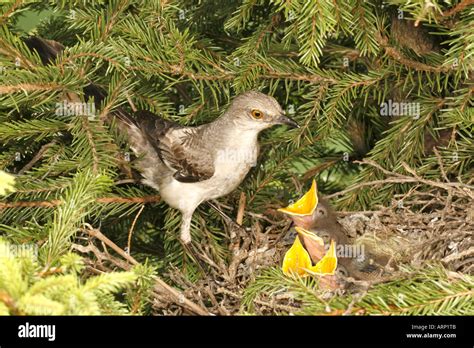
(327, 265)
(298, 258)
(313, 244)
(306, 205)
(288, 121)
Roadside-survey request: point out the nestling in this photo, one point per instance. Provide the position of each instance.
(365, 266)
(190, 165)
(314, 215)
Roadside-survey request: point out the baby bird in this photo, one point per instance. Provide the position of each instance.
(361, 262)
(315, 215)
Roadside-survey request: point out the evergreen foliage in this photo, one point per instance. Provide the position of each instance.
(331, 63)
(30, 288)
(431, 291)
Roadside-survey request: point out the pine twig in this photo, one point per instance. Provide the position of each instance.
(36, 158)
(105, 200)
(395, 54)
(129, 243)
(241, 211)
(176, 295)
(459, 7)
(459, 187)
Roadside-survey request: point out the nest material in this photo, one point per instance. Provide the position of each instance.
(441, 232)
(428, 227)
(434, 224)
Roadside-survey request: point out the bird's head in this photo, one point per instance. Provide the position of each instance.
(255, 110)
(311, 211)
(304, 211)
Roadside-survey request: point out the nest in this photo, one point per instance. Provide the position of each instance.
(433, 224)
(441, 231)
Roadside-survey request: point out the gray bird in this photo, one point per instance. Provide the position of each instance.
(190, 165)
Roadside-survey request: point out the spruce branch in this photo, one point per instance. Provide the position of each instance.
(457, 8)
(6, 14)
(432, 290)
(458, 188)
(25, 290)
(330, 64)
(102, 200)
(29, 87)
(160, 286)
(69, 215)
(398, 56)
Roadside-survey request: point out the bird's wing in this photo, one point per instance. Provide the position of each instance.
(180, 148)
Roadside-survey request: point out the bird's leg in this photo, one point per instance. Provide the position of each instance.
(231, 224)
(186, 227)
(185, 238)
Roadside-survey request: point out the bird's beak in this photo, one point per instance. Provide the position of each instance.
(288, 121)
(301, 212)
(298, 259)
(306, 205)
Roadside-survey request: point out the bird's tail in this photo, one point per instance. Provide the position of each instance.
(49, 50)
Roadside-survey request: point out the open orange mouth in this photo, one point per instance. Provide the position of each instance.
(305, 205)
(297, 259)
(309, 235)
(327, 265)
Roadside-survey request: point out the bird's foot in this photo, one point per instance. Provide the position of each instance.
(185, 238)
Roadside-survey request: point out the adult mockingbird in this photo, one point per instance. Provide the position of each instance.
(190, 165)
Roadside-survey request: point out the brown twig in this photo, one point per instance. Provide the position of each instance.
(459, 7)
(129, 243)
(241, 211)
(440, 163)
(9, 302)
(176, 295)
(29, 87)
(290, 309)
(146, 199)
(106, 200)
(395, 54)
(101, 256)
(40, 204)
(12, 9)
(460, 188)
(36, 158)
(131, 103)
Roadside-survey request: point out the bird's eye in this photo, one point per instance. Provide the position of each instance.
(257, 114)
(341, 271)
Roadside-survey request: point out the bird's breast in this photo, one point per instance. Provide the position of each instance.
(232, 161)
(231, 166)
